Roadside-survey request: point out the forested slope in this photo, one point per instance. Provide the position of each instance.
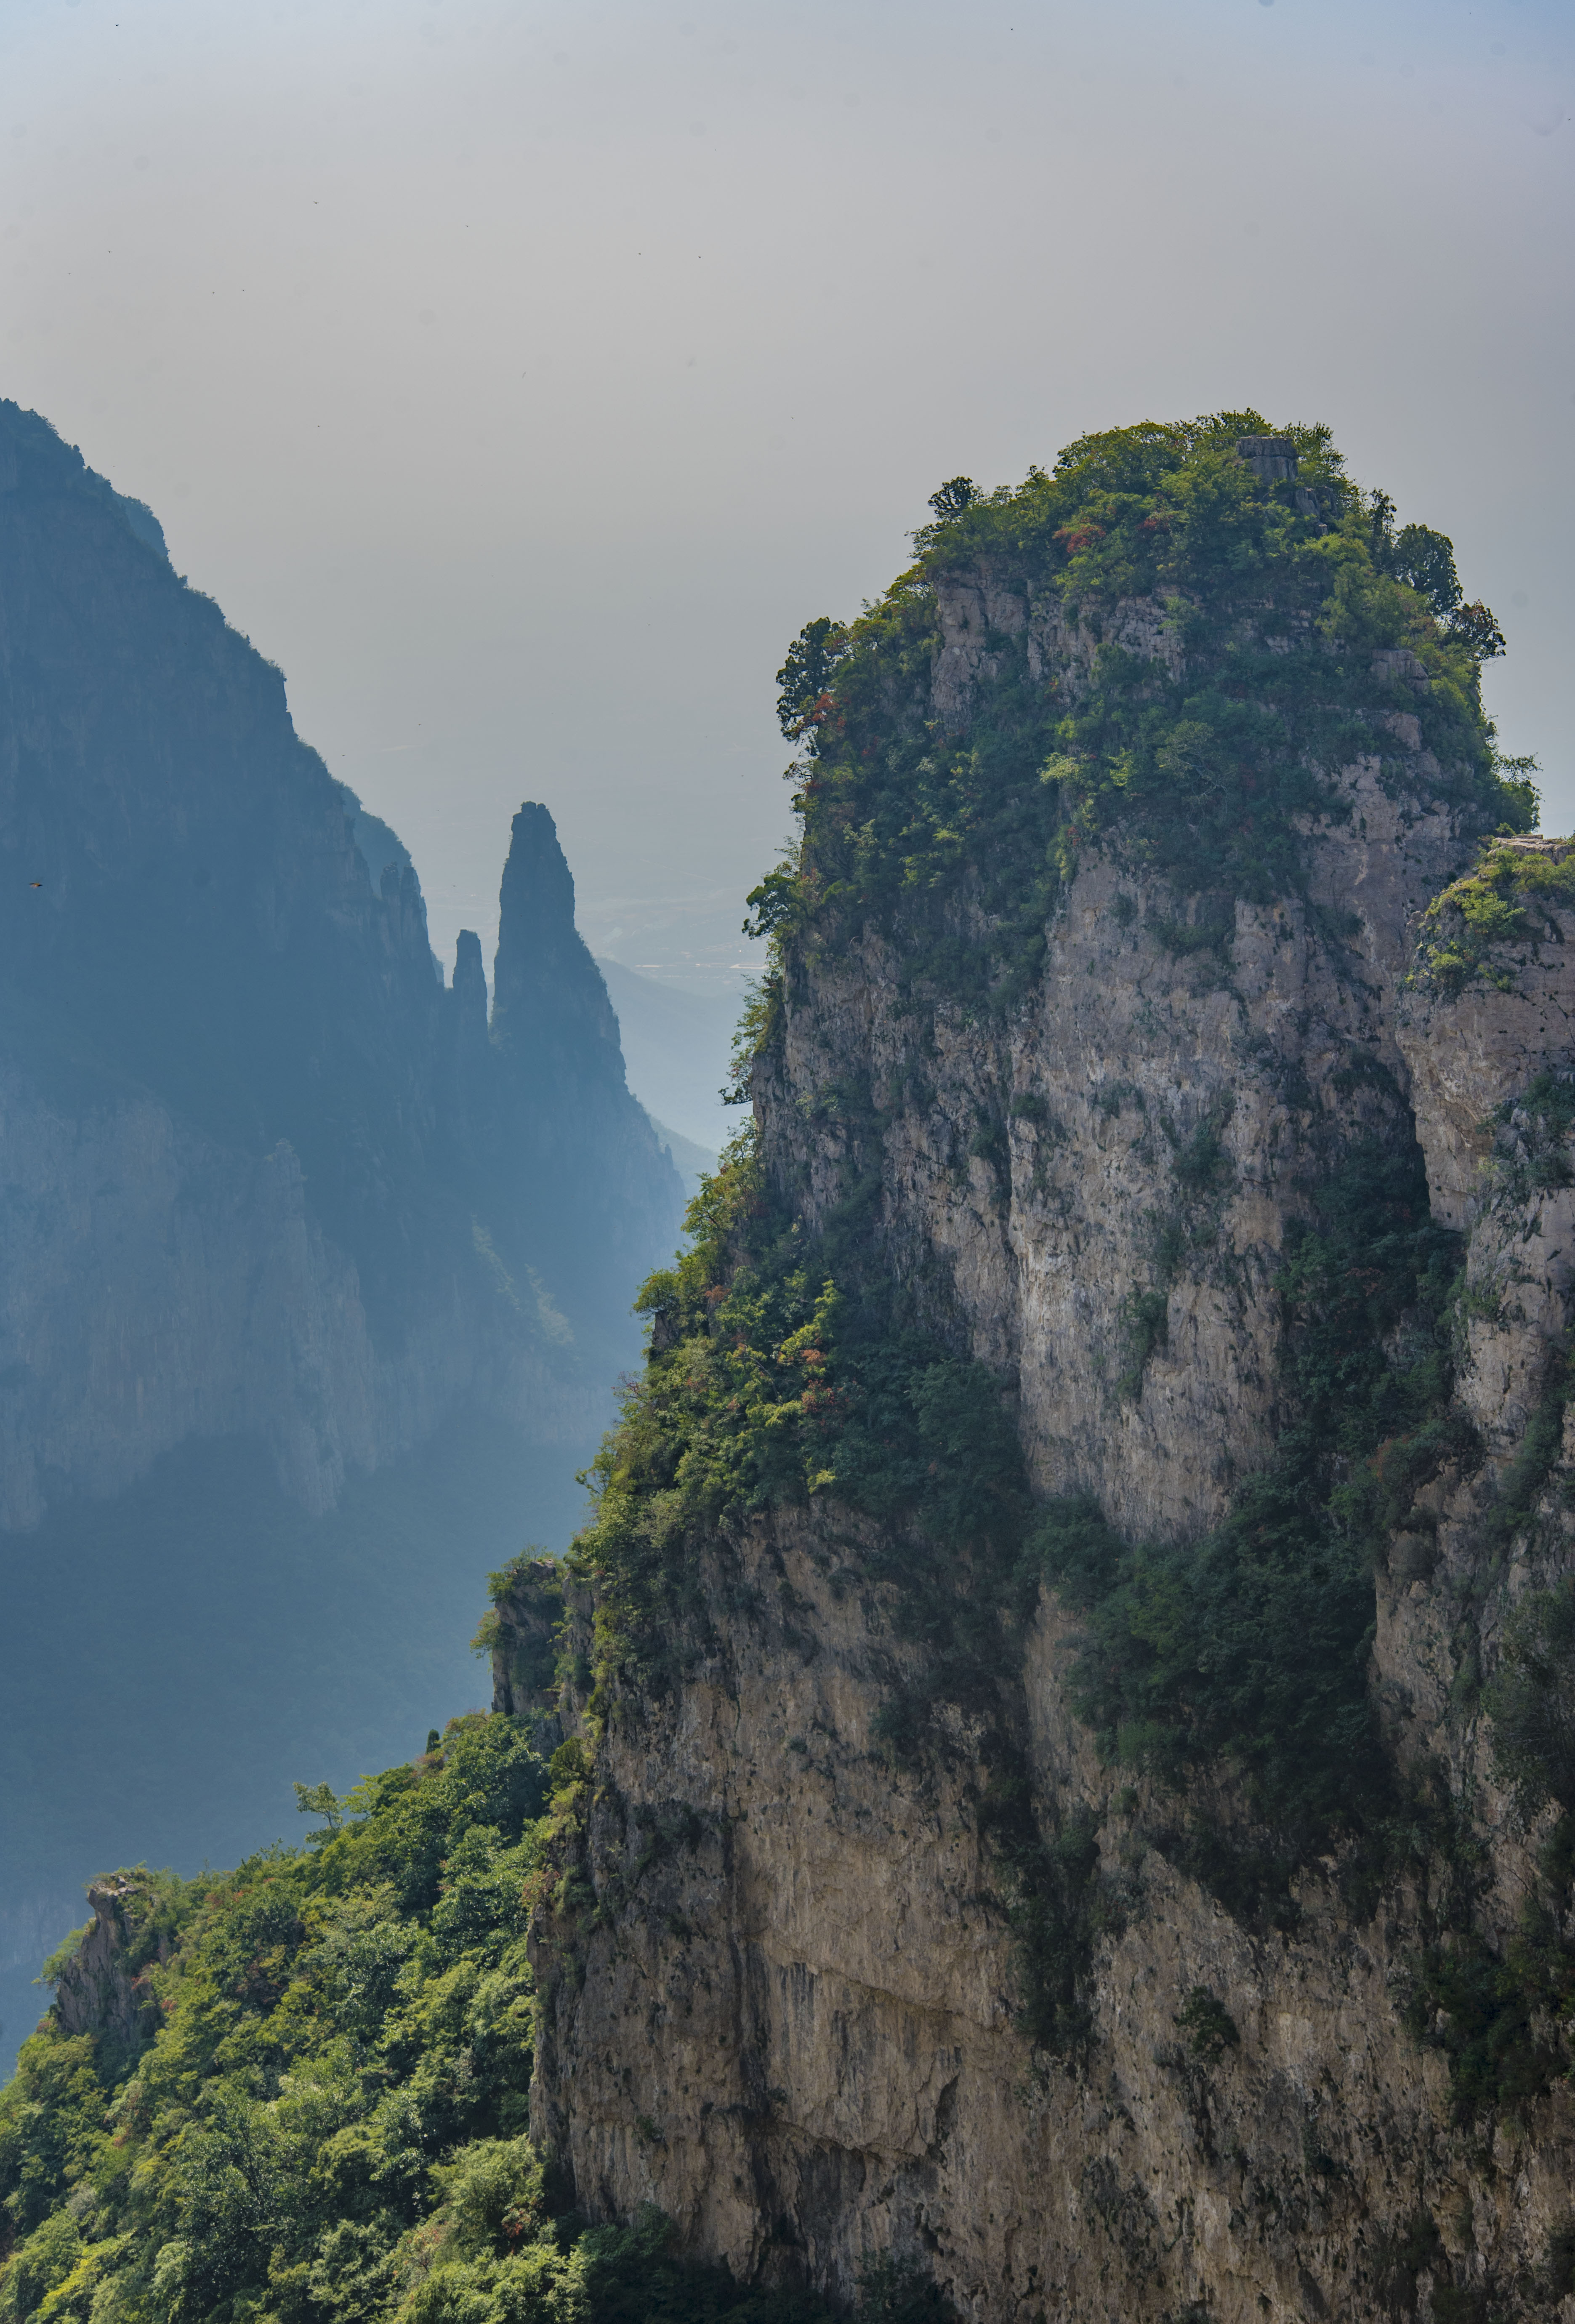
(300, 2090)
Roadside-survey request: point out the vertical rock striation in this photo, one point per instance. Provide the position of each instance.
(1140, 1087)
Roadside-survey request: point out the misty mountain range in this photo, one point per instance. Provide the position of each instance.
(676, 1046)
(315, 1270)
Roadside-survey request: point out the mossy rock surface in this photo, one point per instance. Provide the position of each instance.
(1483, 925)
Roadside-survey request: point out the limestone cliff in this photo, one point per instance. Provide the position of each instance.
(103, 1987)
(1130, 1064)
(867, 1935)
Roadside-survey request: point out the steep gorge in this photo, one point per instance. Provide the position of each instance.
(255, 1154)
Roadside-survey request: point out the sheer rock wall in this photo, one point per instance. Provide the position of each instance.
(796, 2029)
(790, 2019)
(1099, 1105)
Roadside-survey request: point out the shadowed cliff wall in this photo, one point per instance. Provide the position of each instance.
(263, 1173)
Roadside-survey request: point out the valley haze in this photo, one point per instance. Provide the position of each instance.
(316, 1268)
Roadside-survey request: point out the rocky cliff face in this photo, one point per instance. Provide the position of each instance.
(560, 1109)
(261, 1172)
(787, 1973)
(1142, 1088)
(797, 2032)
(101, 1990)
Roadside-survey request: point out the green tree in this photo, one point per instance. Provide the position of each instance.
(806, 673)
(955, 498)
(318, 1799)
(1426, 561)
(1476, 627)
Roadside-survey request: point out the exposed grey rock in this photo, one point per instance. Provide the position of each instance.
(101, 1990)
(790, 2018)
(1271, 458)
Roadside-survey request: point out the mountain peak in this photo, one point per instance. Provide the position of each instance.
(547, 993)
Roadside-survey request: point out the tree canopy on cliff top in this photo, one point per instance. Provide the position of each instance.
(1288, 629)
(1194, 654)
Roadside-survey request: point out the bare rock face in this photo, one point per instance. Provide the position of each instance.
(1486, 1062)
(1469, 1055)
(1116, 1167)
(978, 609)
(796, 2030)
(217, 1306)
(782, 1983)
(103, 1990)
(1491, 1062)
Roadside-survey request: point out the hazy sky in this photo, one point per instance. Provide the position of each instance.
(519, 377)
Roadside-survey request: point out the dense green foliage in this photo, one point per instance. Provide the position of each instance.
(1508, 899)
(328, 2127)
(339, 2019)
(1423, 559)
(781, 1367)
(1194, 746)
(1208, 2024)
(349, 1619)
(1504, 2021)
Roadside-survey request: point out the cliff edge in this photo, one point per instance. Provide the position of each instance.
(1072, 1660)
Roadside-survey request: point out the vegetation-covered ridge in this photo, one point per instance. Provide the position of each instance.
(1297, 630)
(781, 1365)
(328, 2125)
(1288, 624)
(1486, 924)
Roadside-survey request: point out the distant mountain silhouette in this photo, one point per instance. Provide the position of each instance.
(677, 1046)
(268, 1184)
